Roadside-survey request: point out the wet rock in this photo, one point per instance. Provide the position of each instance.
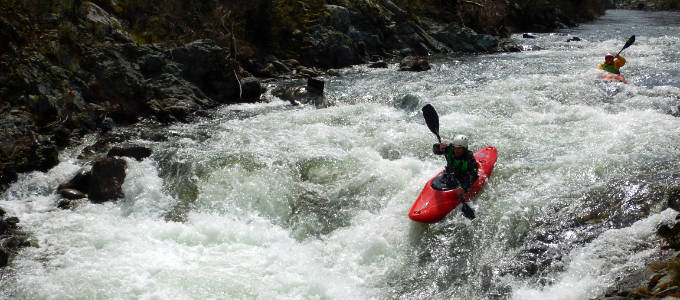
(413, 63)
(79, 182)
(8, 174)
(252, 89)
(308, 72)
(298, 94)
(315, 86)
(11, 222)
(529, 36)
(280, 67)
(675, 108)
(15, 241)
(671, 234)
(408, 102)
(100, 146)
(65, 204)
(4, 257)
(574, 39)
(72, 194)
(136, 152)
(378, 64)
(106, 179)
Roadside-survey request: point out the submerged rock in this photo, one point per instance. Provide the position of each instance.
(413, 63)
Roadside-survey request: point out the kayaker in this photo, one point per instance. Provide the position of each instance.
(612, 65)
(461, 165)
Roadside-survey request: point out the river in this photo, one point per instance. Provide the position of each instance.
(273, 201)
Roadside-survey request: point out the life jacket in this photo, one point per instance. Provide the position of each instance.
(614, 66)
(459, 164)
(611, 68)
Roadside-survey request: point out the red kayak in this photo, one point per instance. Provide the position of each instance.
(437, 200)
(613, 77)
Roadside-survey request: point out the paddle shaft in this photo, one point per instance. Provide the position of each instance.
(630, 41)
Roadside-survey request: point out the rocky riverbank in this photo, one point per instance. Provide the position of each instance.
(74, 67)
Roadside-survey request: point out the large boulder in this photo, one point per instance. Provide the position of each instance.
(106, 179)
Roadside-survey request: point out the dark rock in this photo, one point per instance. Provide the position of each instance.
(15, 241)
(72, 194)
(413, 63)
(65, 204)
(675, 108)
(298, 94)
(529, 36)
(152, 64)
(2, 213)
(464, 39)
(106, 179)
(574, 39)
(308, 72)
(4, 257)
(100, 146)
(280, 67)
(331, 49)
(62, 136)
(11, 222)
(136, 152)
(671, 234)
(9, 38)
(378, 64)
(167, 91)
(79, 182)
(315, 86)
(8, 173)
(204, 64)
(339, 18)
(251, 89)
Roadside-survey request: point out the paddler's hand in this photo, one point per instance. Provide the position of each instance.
(442, 146)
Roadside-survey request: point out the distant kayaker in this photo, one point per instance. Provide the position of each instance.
(461, 165)
(612, 65)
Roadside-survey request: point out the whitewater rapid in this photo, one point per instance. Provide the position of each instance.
(273, 201)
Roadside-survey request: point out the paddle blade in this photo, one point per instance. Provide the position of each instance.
(467, 211)
(431, 119)
(630, 41)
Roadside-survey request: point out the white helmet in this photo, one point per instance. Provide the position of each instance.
(460, 141)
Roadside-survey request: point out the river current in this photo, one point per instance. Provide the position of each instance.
(274, 201)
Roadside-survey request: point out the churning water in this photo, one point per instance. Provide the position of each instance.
(273, 201)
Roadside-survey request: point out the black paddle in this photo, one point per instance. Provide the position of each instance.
(432, 121)
(630, 41)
